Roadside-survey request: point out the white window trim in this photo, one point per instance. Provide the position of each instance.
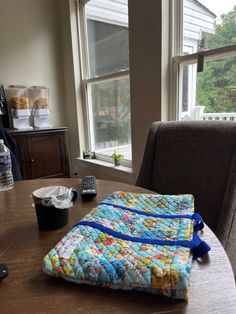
(176, 9)
(107, 77)
(179, 60)
(150, 93)
(88, 121)
(212, 54)
(101, 169)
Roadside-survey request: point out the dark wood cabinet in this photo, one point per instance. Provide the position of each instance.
(42, 152)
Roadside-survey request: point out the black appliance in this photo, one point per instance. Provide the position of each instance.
(4, 111)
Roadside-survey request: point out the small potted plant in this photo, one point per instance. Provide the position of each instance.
(116, 158)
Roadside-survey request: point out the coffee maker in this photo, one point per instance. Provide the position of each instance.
(4, 111)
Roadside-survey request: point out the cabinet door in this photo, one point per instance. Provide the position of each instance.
(23, 156)
(47, 156)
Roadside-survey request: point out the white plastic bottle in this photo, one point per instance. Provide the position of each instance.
(6, 177)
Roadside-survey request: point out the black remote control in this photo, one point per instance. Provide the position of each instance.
(3, 271)
(89, 189)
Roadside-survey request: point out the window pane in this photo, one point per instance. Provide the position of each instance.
(208, 24)
(107, 32)
(111, 116)
(215, 95)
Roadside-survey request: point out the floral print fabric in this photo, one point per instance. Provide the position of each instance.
(89, 255)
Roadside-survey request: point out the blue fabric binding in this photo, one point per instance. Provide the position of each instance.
(198, 246)
(145, 213)
(198, 221)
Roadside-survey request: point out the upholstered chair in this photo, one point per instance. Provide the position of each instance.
(196, 157)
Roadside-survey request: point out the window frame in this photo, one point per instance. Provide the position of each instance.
(86, 85)
(179, 60)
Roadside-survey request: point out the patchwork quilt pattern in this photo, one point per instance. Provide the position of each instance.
(132, 241)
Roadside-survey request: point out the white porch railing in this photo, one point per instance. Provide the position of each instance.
(198, 114)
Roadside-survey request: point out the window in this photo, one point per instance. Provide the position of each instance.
(106, 76)
(204, 62)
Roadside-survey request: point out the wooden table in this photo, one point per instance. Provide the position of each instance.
(28, 289)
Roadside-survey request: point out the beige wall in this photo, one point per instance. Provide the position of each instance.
(145, 71)
(149, 72)
(30, 49)
(36, 49)
(71, 74)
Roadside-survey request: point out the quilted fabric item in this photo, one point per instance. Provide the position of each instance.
(132, 241)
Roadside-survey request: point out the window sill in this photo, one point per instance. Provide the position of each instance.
(105, 170)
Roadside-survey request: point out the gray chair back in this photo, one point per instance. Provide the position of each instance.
(196, 157)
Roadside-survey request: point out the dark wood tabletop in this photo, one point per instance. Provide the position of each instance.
(28, 289)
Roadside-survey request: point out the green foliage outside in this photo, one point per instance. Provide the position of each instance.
(111, 111)
(113, 132)
(216, 83)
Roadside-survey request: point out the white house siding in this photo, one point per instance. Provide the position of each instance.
(196, 19)
(109, 11)
(198, 23)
